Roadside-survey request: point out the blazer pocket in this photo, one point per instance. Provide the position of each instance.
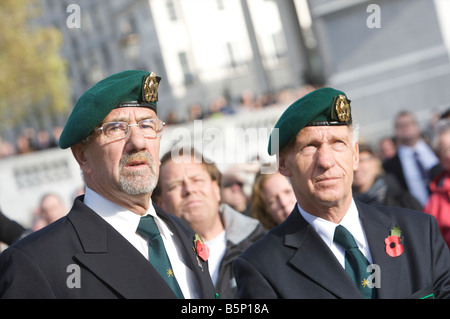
(426, 293)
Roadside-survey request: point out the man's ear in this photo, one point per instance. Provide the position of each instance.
(282, 167)
(356, 156)
(216, 188)
(79, 153)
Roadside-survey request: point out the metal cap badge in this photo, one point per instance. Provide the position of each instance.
(150, 91)
(341, 109)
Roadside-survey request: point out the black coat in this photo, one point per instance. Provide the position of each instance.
(292, 260)
(387, 191)
(251, 232)
(41, 264)
(10, 231)
(394, 167)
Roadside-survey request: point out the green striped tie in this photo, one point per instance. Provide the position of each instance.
(355, 262)
(157, 253)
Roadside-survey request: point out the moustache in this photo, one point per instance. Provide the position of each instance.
(137, 159)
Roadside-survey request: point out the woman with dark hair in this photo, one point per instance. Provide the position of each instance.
(373, 186)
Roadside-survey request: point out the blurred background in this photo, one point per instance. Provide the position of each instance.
(229, 63)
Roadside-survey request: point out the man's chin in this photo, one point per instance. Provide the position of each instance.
(137, 185)
(192, 215)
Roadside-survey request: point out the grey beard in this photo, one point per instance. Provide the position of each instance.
(138, 182)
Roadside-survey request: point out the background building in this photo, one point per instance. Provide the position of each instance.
(403, 64)
(388, 55)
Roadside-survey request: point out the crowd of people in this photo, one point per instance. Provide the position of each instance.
(229, 210)
(410, 170)
(31, 140)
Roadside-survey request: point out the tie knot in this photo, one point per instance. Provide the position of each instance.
(147, 227)
(343, 237)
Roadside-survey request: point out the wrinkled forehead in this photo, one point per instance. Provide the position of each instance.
(182, 167)
(323, 133)
(129, 114)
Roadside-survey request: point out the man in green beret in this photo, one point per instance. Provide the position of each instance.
(332, 245)
(114, 242)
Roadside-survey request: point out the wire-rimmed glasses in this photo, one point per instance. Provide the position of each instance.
(150, 128)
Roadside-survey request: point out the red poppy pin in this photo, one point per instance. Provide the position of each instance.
(201, 248)
(393, 246)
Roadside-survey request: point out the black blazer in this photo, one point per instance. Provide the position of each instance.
(292, 260)
(42, 264)
(394, 167)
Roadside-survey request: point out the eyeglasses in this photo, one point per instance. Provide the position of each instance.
(117, 130)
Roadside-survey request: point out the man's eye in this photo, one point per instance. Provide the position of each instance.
(148, 126)
(309, 147)
(115, 127)
(173, 186)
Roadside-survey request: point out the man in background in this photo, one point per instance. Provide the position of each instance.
(189, 188)
(414, 158)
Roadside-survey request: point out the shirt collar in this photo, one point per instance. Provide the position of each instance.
(353, 224)
(326, 228)
(123, 220)
(419, 146)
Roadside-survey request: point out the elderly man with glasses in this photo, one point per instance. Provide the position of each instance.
(114, 243)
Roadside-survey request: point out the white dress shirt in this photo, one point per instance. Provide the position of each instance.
(327, 228)
(126, 223)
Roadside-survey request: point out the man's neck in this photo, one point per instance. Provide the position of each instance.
(138, 204)
(209, 232)
(333, 212)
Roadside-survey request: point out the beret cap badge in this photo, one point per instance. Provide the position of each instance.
(341, 109)
(322, 107)
(151, 88)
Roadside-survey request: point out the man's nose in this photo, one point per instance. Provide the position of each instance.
(135, 139)
(188, 187)
(325, 158)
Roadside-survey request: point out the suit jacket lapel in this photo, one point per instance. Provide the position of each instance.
(199, 267)
(186, 239)
(113, 259)
(377, 227)
(314, 258)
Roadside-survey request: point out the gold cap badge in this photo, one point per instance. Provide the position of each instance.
(151, 88)
(342, 108)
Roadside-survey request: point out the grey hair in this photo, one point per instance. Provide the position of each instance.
(354, 131)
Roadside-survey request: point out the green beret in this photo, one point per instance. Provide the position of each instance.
(132, 88)
(324, 106)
